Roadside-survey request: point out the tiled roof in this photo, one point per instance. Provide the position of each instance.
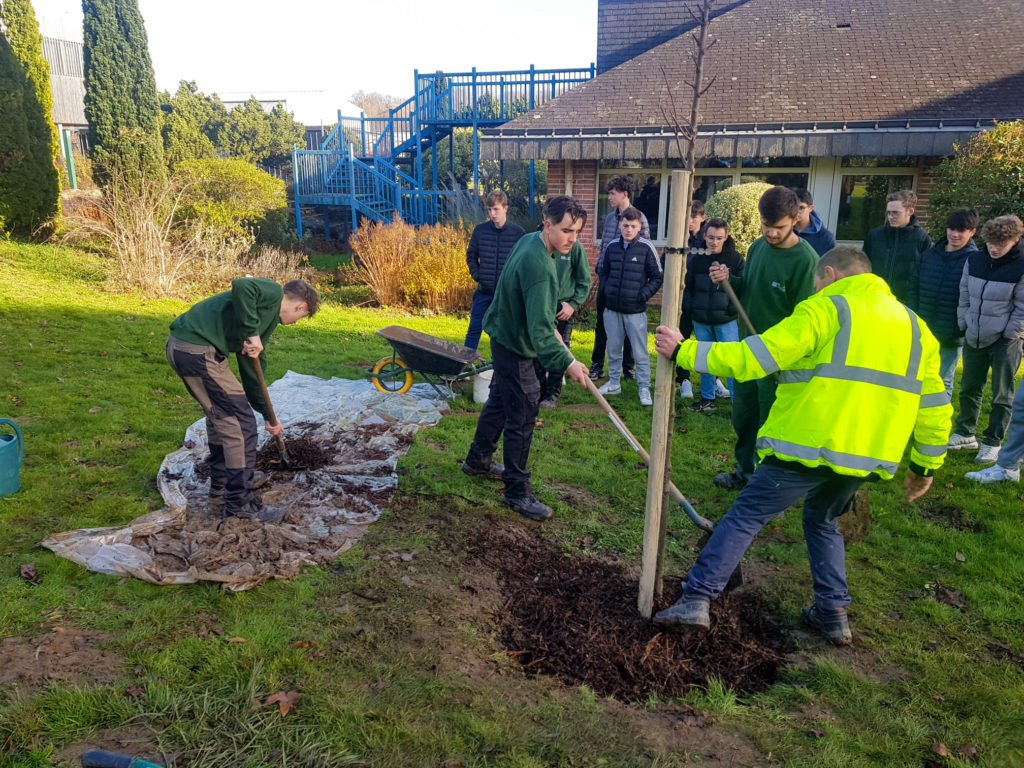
(801, 61)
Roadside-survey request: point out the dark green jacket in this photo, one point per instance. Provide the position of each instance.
(774, 281)
(522, 316)
(573, 271)
(895, 253)
(251, 308)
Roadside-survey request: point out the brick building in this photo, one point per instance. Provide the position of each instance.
(849, 98)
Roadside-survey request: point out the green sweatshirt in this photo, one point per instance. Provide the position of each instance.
(573, 271)
(774, 281)
(251, 308)
(522, 316)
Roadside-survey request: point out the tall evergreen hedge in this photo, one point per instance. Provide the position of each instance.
(29, 184)
(121, 102)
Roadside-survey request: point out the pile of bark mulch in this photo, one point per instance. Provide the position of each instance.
(575, 617)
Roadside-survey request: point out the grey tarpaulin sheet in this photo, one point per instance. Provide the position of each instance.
(364, 430)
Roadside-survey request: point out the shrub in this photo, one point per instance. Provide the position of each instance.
(423, 268)
(228, 196)
(738, 206)
(987, 174)
(280, 265)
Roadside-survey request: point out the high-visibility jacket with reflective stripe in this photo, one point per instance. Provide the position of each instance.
(859, 377)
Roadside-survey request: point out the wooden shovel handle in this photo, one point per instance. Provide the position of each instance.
(270, 407)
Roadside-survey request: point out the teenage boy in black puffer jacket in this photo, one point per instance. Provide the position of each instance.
(896, 247)
(706, 305)
(934, 290)
(630, 271)
(489, 247)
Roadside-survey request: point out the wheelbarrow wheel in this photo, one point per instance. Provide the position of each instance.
(390, 374)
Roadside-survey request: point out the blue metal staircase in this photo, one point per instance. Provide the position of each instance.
(374, 166)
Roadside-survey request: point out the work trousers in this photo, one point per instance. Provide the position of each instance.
(511, 409)
(772, 489)
(230, 424)
(551, 382)
(620, 327)
(481, 303)
(751, 402)
(1003, 357)
(601, 338)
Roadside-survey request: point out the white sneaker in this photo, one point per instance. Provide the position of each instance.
(686, 390)
(960, 442)
(995, 474)
(645, 396)
(721, 390)
(987, 454)
(610, 389)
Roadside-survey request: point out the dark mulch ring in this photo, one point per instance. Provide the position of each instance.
(575, 617)
(303, 453)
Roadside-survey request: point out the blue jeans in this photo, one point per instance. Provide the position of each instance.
(724, 332)
(948, 359)
(481, 302)
(773, 488)
(1013, 450)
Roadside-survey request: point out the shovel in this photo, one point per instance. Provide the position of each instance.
(270, 408)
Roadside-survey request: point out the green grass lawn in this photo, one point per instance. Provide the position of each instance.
(396, 659)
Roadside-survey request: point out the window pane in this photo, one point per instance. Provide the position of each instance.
(862, 203)
(794, 180)
(706, 186)
(879, 162)
(776, 162)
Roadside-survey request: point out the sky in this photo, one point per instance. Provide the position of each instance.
(325, 52)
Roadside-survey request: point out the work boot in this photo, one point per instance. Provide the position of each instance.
(530, 507)
(734, 481)
(255, 510)
(218, 489)
(834, 626)
(485, 467)
(688, 612)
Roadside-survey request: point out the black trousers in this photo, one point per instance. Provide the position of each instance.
(551, 382)
(601, 339)
(511, 409)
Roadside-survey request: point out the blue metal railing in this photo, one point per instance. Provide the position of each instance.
(356, 165)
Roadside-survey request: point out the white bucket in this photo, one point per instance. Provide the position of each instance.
(481, 386)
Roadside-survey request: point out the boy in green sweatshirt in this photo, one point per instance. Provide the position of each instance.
(778, 275)
(521, 324)
(238, 321)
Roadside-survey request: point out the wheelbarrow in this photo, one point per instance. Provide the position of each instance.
(436, 360)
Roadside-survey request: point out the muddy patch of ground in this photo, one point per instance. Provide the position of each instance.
(950, 516)
(576, 618)
(576, 496)
(303, 453)
(65, 654)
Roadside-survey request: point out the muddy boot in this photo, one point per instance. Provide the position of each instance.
(218, 489)
(487, 467)
(688, 612)
(256, 510)
(529, 507)
(834, 626)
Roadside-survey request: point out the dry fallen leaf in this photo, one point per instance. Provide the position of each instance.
(134, 692)
(236, 639)
(95, 409)
(283, 700)
(940, 749)
(302, 644)
(28, 571)
(949, 485)
(961, 557)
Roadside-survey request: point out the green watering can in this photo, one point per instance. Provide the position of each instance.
(12, 451)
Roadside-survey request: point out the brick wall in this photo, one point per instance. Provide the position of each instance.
(925, 180)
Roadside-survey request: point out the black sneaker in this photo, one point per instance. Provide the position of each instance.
(834, 626)
(734, 481)
(529, 507)
(688, 612)
(489, 468)
(548, 403)
(703, 405)
(629, 374)
(255, 510)
(596, 372)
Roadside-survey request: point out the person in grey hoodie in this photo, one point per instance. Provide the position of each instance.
(934, 291)
(991, 314)
(809, 226)
(894, 249)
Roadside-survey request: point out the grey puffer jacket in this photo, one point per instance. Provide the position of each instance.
(991, 303)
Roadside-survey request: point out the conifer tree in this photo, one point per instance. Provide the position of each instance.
(29, 184)
(121, 102)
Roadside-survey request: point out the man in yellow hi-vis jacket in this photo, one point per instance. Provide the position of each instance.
(858, 377)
